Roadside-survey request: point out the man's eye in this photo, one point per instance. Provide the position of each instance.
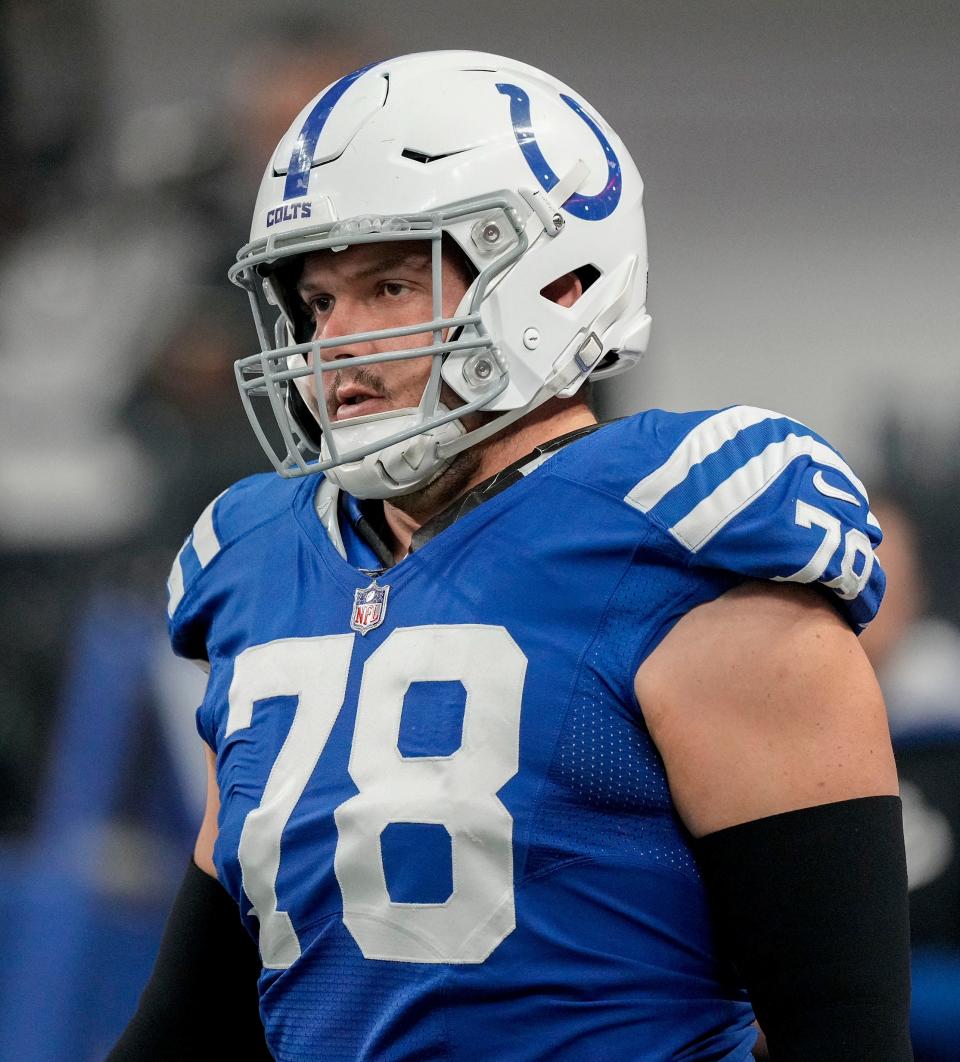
(320, 304)
(394, 288)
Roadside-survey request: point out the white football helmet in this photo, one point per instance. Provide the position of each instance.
(531, 184)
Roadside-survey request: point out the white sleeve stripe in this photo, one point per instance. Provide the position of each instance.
(711, 515)
(205, 544)
(175, 581)
(205, 541)
(872, 520)
(705, 439)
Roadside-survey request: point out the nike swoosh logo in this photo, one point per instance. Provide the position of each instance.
(829, 491)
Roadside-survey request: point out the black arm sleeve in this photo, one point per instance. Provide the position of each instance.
(201, 1000)
(811, 907)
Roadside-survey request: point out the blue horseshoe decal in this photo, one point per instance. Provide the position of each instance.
(588, 207)
(298, 172)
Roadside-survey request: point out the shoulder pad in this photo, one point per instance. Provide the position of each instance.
(754, 492)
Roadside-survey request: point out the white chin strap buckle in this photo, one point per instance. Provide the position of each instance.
(396, 469)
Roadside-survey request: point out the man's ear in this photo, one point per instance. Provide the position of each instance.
(564, 291)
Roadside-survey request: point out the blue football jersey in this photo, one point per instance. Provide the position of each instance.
(442, 816)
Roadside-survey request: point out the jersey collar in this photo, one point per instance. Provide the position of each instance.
(368, 521)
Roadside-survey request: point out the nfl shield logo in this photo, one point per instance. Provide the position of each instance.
(369, 607)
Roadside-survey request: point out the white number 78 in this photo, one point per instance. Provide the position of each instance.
(457, 791)
(849, 583)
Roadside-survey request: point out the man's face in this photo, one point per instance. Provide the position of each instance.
(365, 288)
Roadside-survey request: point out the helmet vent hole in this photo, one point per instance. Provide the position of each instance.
(423, 157)
(558, 290)
(588, 275)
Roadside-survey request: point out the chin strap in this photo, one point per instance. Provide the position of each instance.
(399, 468)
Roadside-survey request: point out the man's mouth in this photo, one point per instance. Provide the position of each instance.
(354, 400)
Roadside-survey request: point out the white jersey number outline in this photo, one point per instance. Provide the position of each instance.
(457, 791)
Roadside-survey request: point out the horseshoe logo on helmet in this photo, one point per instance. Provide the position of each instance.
(588, 207)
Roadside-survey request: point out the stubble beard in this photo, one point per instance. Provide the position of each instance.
(363, 377)
(426, 501)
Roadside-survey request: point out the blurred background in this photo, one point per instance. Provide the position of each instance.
(801, 162)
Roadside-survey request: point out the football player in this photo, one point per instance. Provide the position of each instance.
(528, 737)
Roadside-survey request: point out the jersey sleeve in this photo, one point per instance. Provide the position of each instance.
(211, 568)
(753, 492)
(186, 614)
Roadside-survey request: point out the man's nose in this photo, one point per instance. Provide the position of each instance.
(343, 320)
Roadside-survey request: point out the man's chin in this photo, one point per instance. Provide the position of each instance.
(425, 501)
